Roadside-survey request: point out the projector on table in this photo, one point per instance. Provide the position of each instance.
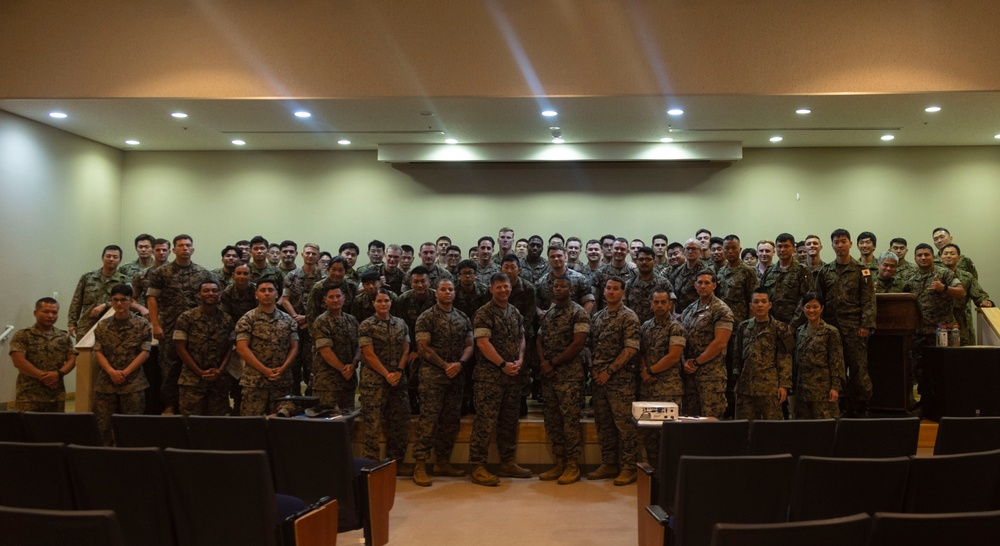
(653, 414)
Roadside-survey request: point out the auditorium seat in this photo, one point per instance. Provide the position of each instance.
(967, 482)
(34, 527)
(35, 475)
(967, 435)
(960, 529)
(68, 428)
(160, 431)
(845, 531)
(228, 433)
(828, 487)
(12, 427)
(869, 438)
(798, 437)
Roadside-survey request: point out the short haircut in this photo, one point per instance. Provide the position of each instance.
(394, 247)
(953, 245)
(555, 247)
(333, 287)
(182, 237)
(708, 272)
(325, 254)
(621, 240)
(242, 242)
(121, 290)
(349, 245)
(702, 230)
(661, 290)
(645, 250)
(606, 237)
(800, 244)
(377, 244)
(574, 238)
(593, 242)
(144, 237)
(521, 240)
(761, 290)
(922, 246)
(267, 280)
(766, 242)
(505, 229)
(557, 235)
(811, 236)
(228, 248)
(338, 259)
(867, 235)
(442, 238)
(467, 264)
(274, 245)
(428, 243)
(898, 241)
(533, 237)
(660, 236)
(937, 229)
(732, 237)
(419, 270)
(208, 281)
(112, 247)
(45, 301)
(456, 248)
(511, 258)
(840, 232)
(486, 238)
(891, 256)
(290, 243)
(617, 279)
(257, 240)
(750, 251)
(716, 241)
(674, 245)
(499, 277)
(159, 242)
(313, 246)
(781, 238)
(406, 248)
(811, 296)
(370, 275)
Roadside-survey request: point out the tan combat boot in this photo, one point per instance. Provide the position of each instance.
(510, 469)
(420, 476)
(603, 472)
(554, 472)
(443, 467)
(571, 473)
(626, 477)
(481, 476)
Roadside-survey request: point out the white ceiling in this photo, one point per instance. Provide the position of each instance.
(965, 119)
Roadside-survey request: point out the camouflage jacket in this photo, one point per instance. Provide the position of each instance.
(656, 340)
(700, 322)
(819, 355)
(121, 341)
(46, 351)
(611, 332)
(556, 330)
(269, 337)
(762, 357)
(209, 338)
(447, 332)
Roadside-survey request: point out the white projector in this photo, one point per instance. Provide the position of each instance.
(652, 414)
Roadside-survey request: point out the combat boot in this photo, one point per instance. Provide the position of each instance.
(420, 476)
(510, 469)
(481, 476)
(554, 472)
(404, 469)
(444, 468)
(603, 472)
(571, 473)
(626, 477)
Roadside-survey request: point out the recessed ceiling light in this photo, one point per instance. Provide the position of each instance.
(675, 112)
(557, 140)
(887, 137)
(179, 115)
(303, 114)
(450, 141)
(132, 142)
(57, 115)
(996, 136)
(803, 111)
(776, 139)
(239, 142)
(343, 142)
(932, 109)
(549, 113)
(666, 139)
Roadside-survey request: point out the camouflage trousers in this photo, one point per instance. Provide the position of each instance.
(386, 408)
(765, 408)
(211, 399)
(704, 398)
(616, 430)
(650, 437)
(562, 411)
(343, 398)
(440, 416)
(170, 371)
(496, 409)
(58, 406)
(264, 400)
(302, 366)
(816, 410)
(859, 383)
(105, 404)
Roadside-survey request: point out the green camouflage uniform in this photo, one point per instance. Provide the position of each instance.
(236, 303)
(131, 269)
(409, 306)
(315, 305)
(600, 278)
(269, 337)
(120, 341)
(363, 306)
(92, 290)
(656, 339)
(935, 308)
(268, 272)
(340, 334)
(735, 289)
(905, 270)
(225, 277)
(484, 274)
(209, 338)
(469, 301)
(384, 406)
(440, 396)
(785, 288)
(611, 333)
(497, 395)
(894, 285)
(683, 278)
(705, 389)
(534, 273)
(522, 296)
(579, 288)
(563, 390)
(296, 288)
(394, 280)
(849, 294)
(820, 357)
(434, 275)
(762, 361)
(964, 264)
(963, 311)
(46, 351)
(639, 295)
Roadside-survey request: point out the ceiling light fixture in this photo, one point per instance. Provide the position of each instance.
(132, 142)
(179, 115)
(303, 114)
(887, 138)
(57, 115)
(550, 113)
(557, 140)
(997, 136)
(666, 139)
(343, 142)
(776, 139)
(932, 109)
(675, 112)
(450, 141)
(803, 111)
(239, 142)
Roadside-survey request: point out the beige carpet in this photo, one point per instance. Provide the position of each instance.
(525, 512)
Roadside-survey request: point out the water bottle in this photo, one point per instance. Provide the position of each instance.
(942, 336)
(954, 337)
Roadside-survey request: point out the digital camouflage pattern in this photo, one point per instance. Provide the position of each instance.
(600, 278)
(656, 339)
(785, 288)
(446, 333)
(935, 307)
(297, 285)
(92, 290)
(364, 306)
(611, 333)
(504, 327)
(46, 351)
(963, 311)
(704, 391)
(236, 303)
(762, 361)
(469, 301)
(579, 288)
(175, 288)
(820, 357)
(315, 306)
(382, 405)
(639, 295)
(340, 334)
(557, 328)
(121, 341)
(209, 338)
(269, 337)
(562, 392)
(735, 289)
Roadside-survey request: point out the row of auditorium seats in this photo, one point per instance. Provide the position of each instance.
(162, 497)
(778, 488)
(308, 458)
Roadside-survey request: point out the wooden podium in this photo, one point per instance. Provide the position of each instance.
(897, 319)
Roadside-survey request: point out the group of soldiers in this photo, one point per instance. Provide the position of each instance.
(718, 330)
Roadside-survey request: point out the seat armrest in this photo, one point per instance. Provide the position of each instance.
(659, 514)
(645, 468)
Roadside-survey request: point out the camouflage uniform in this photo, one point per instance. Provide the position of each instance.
(383, 405)
(963, 311)
(683, 280)
(120, 341)
(484, 274)
(315, 305)
(497, 394)
(209, 338)
(440, 396)
(820, 357)
(785, 288)
(534, 273)
(579, 288)
(92, 290)
(563, 390)
(705, 390)
(269, 337)
(225, 277)
(434, 275)
(849, 294)
(905, 270)
(601, 276)
(611, 333)
(639, 295)
(46, 351)
(296, 288)
(131, 269)
(935, 308)
(736, 286)
(894, 285)
(469, 301)
(964, 264)
(340, 334)
(656, 339)
(364, 306)
(175, 288)
(268, 272)
(409, 306)
(522, 296)
(762, 361)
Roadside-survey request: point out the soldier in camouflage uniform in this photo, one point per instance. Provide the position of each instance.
(428, 252)
(487, 264)
(618, 267)
(409, 307)
(349, 252)
(444, 339)
(294, 300)
(942, 238)
(737, 280)
(230, 259)
(337, 353)
(820, 357)
(470, 295)
(639, 290)
(364, 303)
(121, 345)
(267, 340)
(522, 296)
(950, 256)
(936, 288)
(385, 347)
(579, 286)
(709, 325)
(562, 335)
(140, 282)
(904, 269)
(534, 266)
(661, 349)
(336, 275)
(786, 282)
(376, 252)
(866, 247)
(90, 299)
(762, 362)
(887, 281)
(614, 343)
(849, 292)
(203, 338)
(42, 354)
(392, 274)
(173, 289)
(684, 276)
(498, 328)
(260, 268)
(144, 250)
